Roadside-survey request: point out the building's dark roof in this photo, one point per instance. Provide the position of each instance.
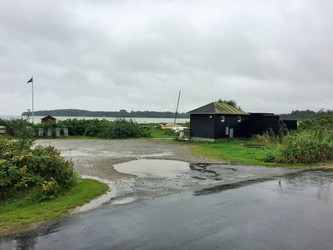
(48, 118)
(263, 114)
(218, 108)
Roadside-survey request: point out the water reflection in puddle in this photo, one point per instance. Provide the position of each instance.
(153, 167)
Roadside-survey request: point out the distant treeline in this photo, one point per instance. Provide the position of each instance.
(306, 115)
(294, 115)
(122, 113)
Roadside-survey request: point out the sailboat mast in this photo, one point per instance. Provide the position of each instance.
(177, 108)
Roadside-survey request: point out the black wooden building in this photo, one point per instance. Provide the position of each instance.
(218, 120)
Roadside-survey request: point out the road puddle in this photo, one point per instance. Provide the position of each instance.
(153, 167)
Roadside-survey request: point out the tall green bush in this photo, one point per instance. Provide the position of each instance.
(311, 143)
(96, 128)
(124, 129)
(75, 126)
(308, 146)
(267, 138)
(324, 122)
(20, 129)
(41, 168)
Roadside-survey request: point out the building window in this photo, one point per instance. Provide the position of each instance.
(222, 118)
(239, 118)
(226, 130)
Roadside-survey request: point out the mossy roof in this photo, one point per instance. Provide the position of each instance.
(218, 108)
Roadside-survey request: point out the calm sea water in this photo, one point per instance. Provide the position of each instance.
(138, 119)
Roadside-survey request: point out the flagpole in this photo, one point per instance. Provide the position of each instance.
(32, 102)
(32, 98)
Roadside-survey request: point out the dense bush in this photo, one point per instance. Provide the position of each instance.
(313, 142)
(268, 139)
(19, 128)
(75, 126)
(324, 122)
(120, 128)
(23, 168)
(124, 129)
(308, 146)
(96, 128)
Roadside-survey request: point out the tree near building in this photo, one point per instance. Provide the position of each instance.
(232, 103)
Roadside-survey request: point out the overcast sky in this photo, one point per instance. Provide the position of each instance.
(268, 55)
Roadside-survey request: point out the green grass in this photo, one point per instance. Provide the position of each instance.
(235, 151)
(156, 132)
(22, 210)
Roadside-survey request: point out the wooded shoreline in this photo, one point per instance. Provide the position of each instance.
(122, 113)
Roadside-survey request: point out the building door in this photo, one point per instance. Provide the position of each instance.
(231, 133)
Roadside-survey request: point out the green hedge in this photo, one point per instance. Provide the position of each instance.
(118, 129)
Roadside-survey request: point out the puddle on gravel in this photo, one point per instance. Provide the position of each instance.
(153, 167)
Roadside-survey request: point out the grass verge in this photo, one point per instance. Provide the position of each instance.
(23, 210)
(237, 151)
(156, 132)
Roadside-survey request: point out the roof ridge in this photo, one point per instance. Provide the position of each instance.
(218, 108)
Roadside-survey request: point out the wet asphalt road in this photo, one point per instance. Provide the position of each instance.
(298, 214)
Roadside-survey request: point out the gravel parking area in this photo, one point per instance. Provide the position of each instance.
(97, 157)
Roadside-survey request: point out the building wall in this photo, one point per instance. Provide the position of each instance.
(222, 129)
(215, 127)
(290, 124)
(261, 123)
(202, 126)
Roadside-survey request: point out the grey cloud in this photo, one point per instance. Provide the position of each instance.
(270, 56)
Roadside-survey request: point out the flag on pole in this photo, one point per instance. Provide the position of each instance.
(31, 80)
